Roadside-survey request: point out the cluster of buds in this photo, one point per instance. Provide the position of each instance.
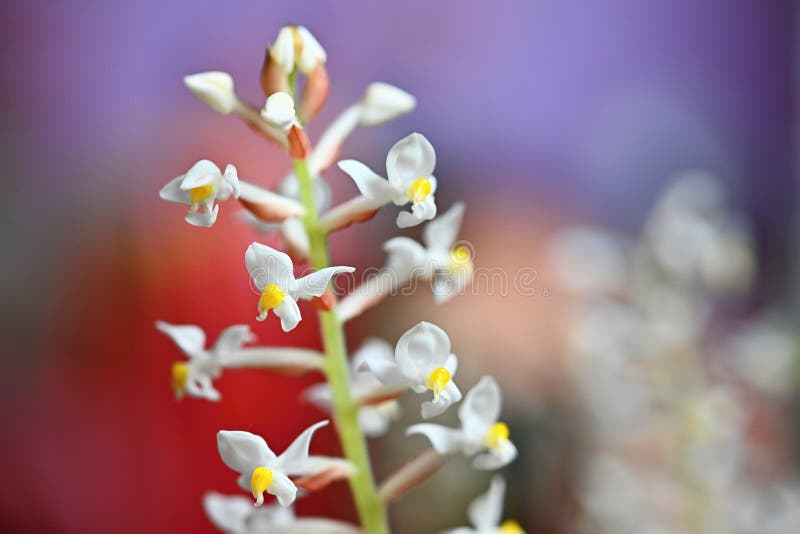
(360, 393)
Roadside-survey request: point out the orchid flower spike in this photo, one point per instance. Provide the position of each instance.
(235, 514)
(272, 273)
(375, 419)
(215, 88)
(422, 362)
(486, 512)
(409, 166)
(202, 185)
(481, 434)
(260, 470)
(296, 47)
(194, 377)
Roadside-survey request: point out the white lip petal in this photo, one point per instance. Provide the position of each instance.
(315, 284)
(481, 407)
(442, 232)
(283, 488)
(243, 451)
(422, 349)
(444, 440)
(496, 458)
(279, 110)
(373, 349)
(231, 178)
(486, 511)
(406, 258)
(229, 513)
(289, 313)
(268, 266)
(410, 158)
(189, 338)
(388, 372)
(435, 409)
(203, 219)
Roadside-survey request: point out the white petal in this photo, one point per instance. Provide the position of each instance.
(203, 219)
(383, 102)
(387, 371)
(407, 259)
(289, 313)
(191, 339)
(215, 88)
(436, 408)
(204, 172)
(243, 451)
(231, 179)
(481, 408)
(420, 212)
(268, 266)
(370, 184)
(199, 385)
(315, 284)
(373, 421)
(228, 513)
(442, 232)
(172, 192)
(292, 460)
(282, 50)
(294, 236)
(279, 110)
(374, 349)
(312, 52)
(496, 458)
(320, 396)
(232, 338)
(486, 511)
(444, 440)
(410, 158)
(422, 349)
(283, 488)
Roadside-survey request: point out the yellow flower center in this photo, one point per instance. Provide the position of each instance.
(419, 190)
(180, 374)
(260, 482)
(437, 381)
(461, 260)
(271, 296)
(200, 193)
(497, 435)
(510, 526)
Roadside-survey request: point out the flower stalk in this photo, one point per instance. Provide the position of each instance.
(370, 507)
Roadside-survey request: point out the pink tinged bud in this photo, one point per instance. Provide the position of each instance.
(315, 93)
(412, 474)
(273, 78)
(321, 480)
(355, 210)
(299, 146)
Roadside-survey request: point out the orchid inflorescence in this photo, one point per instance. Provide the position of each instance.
(361, 394)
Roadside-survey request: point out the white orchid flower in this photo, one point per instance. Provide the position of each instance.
(383, 102)
(296, 47)
(486, 512)
(260, 470)
(422, 362)
(202, 185)
(409, 166)
(194, 377)
(482, 434)
(215, 88)
(375, 419)
(235, 514)
(279, 111)
(272, 273)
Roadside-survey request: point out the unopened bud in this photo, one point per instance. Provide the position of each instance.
(383, 102)
(315, 93)
(214, 88)
(279, 111)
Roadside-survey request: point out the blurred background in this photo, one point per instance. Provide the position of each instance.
(652, 369)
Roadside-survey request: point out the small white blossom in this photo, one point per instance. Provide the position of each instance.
(202, 185)
(383, 102)
(273, 274)
(375, 420)
(260, 470)
(422, 362)
(486, 512)
(215, 88)
(482, 434)
(235, 514)
(194, 377)
(279, 111)
(409, 166)
(296, 47)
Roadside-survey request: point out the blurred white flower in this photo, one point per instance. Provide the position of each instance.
(273, 274)
(409, 166)
(766, 354)
(202, 185)
(215, 88)
(422, 362)
(260, 470)
(279, 111)
(296, 47)
(194, 377)
(486, 512)
(234, 514)
(482, 434)
(383, 102)
(589, 261)
(376, 419)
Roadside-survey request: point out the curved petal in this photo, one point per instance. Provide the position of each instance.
(191, 339)
(289, 313)
(486, 511)
(444, 440)
(204, 172)
(421, 350)
(199, 385)
(406, 258)
(410, 158)
(375, 349)
(282, 488)
(268, 266)
(205, 218)
(496, 458)
(229, 513)
(315, 284)
(232, 338)
(442, 232)
(172, 192)
(370, 184)
(481, 408)
(421, 212)
(231, 179)
(292, 459)
(383, 102)
(243, 451)
(387, 371)
(435, 408)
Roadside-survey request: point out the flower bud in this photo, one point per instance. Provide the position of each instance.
(315, 93)
(215, 88)
(383, 102)
(279, 111)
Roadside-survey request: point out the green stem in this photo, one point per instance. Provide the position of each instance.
(371, 509)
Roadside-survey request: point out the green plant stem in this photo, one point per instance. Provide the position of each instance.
(371, 509)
